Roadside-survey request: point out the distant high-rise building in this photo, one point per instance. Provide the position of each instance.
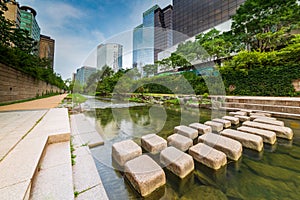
(46, 48)
(83, 73)
(152, 36)
(13, 13)
(110, 54)
(29, 23)
(191, 17)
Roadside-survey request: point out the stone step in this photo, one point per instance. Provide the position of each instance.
(208, 156)
(202, 129)
(252, 117)
(25, 157)
(268, 136)
(242, 118)
(186, 131)
(264, 114)
(232, 148)
(226, 123)
(233, 120)
(153, 143)
(269, 121)
(180, 142)
(125, 150)
(282, 132)
(54, 176)
(282, 101)
(178, 162)
(240, 113)
(215, 126)
(144, 174)
(265, 107)
(248, 140)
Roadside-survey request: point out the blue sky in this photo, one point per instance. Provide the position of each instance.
(78, 26)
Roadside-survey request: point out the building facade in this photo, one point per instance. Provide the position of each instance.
(110, 54)
(46, 48)
(29, 23)
(83, 73)
(13, 13)
(192, 17)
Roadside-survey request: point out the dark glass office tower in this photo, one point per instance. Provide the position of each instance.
(191, 17)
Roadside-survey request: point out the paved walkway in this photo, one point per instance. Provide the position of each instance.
(45, 103)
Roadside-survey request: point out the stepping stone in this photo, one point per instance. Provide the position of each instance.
(242, 118)
(208, 156)
(215, 126)
(226, 123)
(269, 121)
(125, 150)
(261, 114)
(282, 132)
(202, 129)
(180, 142)
(252, 117)
(241, 113)
(178, 162)
(247, 111)
(232, 148)
(233, 120)
(144, 174)
(186, 131)
(267, 136)
(248, 140)
(153, 143)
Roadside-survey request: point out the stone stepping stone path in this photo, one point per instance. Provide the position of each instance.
(202, 129)
(153, 143)
(125, 150)
(233, 120)
(180, 142)
(252, 117)
(242, 118)
(268, 136)
(208, 156)
(178, 162)
(186, 131)
(215, 126)
(226, 123)
(269, 121)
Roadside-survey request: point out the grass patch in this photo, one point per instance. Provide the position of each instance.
(172, 101)
(77, 98)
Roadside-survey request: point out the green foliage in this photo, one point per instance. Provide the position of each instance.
(77, 98)
(172, 101)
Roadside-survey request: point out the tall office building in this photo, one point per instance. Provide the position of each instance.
(192, 17)
(13, 13)
(83, 73)
(110, 54)
(46, 48)
(152, 36)
(29, 23)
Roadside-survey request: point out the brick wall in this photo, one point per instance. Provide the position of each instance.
(16, 85)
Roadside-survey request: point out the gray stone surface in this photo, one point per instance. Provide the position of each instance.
(144, 174)
(262, 114)
(226, 123)
(252, 117)
(248, 140)
(241, 113)
(268, 136)
(202, 129)
(186, 131)
(208, 156)
(242, 118)
(153, 143)
(282, 132)
(232, 148)
(233, 120)
(178, 162)
(125, 150)
(215, 126)
(269, 121)
(180, 142)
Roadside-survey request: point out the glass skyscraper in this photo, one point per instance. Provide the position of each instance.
(110, 54)
(29, 23)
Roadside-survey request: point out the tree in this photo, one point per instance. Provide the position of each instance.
(150, 69)
(256, 20)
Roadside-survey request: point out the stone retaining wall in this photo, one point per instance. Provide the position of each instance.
(16, 85)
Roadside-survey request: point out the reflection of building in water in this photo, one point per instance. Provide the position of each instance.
(110, 54)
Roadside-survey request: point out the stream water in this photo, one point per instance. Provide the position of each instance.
(273, 173)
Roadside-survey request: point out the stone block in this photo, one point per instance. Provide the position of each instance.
(241, 113)
(262, 114)
(232, 148)
(267, 136)
(125, 150)
(233, 120)
(208, 156)
(282, 132)
(252, 117)
(144, 174)
(242, 118)
(202, 129)
(153, 143)
(269, 121)
(226, 123)
(180, 142)
(178, 162)
(186, 131)
(215, 126)
(248, 140)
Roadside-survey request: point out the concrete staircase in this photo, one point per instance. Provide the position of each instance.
(277, 106)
